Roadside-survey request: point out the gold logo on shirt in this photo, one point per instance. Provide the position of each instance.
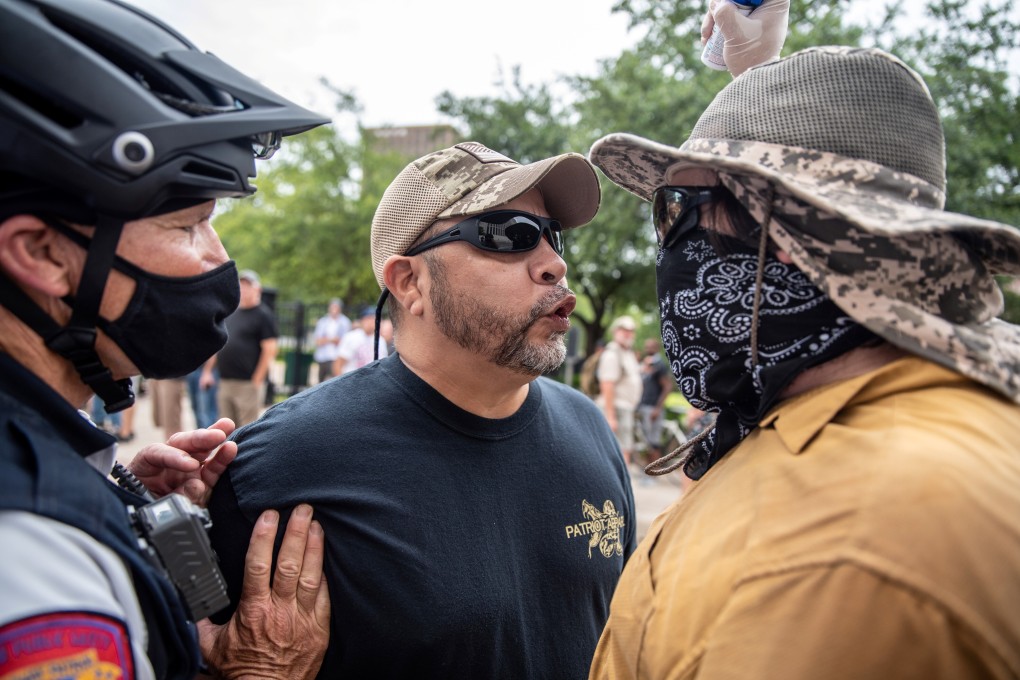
(602, 528)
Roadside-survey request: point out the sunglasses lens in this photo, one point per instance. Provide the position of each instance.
(513, 232)
(507, 235)
(668, 205)
(674, 211)
(265, 144)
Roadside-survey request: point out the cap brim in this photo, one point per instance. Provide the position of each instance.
(569, 186)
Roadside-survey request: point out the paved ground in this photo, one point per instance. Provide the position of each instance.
(651, 494)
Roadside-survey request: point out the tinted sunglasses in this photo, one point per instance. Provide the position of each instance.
(675, 211)
(502, 231)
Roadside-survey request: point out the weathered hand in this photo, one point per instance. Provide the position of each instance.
(190, 463)
(280, 631)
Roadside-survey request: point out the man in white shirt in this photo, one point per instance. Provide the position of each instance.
(356, 348)
(619, 376)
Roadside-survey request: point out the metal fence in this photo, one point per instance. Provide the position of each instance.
(296, 322)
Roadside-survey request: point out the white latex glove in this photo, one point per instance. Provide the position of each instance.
(750, 40)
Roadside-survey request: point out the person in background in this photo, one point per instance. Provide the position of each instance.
(857, 509)
(167, 409)
(244, 361)
(656, 385)
(118, 135)
(108, 422)
(127, 417)
(588, 381)
(479, 514)
(203, 399)
(119, 423)
(329, 330)
(619, 376)
(386, 333)
(358, 348)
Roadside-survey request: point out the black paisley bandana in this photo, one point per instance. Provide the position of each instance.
(706, 294)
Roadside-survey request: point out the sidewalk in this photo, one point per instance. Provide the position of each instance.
(651, 494)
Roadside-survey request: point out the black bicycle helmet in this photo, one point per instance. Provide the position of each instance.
(103, 104)
(108, 115)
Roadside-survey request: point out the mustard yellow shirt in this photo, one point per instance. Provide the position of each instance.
(868, 529)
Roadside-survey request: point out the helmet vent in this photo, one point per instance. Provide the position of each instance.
(208, 172)
(39, 103)
(131, 63)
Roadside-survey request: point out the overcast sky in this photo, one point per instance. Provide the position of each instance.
(397, 55)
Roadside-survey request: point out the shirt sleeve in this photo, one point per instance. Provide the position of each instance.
(843, 622)
(67, 601)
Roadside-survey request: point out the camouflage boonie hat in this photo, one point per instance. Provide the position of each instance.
(468, 179)
(844, 148)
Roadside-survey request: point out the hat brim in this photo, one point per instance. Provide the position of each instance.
(870, 196)
(569, 186)
(863, 196)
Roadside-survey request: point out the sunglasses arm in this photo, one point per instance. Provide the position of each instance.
(447, 237)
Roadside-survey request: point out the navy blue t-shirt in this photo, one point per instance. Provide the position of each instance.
(457, 546)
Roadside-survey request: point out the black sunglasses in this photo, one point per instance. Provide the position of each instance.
(503, 231)
(675, 211)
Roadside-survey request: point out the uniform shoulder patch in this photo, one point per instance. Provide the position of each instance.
(65, 645)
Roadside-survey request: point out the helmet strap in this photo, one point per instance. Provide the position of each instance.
(378, 320)
(76, 341)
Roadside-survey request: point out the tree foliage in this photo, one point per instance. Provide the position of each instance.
(658, 89)
(307, 230)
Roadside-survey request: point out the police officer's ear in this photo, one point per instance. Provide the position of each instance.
(403, 277)
(35, 257)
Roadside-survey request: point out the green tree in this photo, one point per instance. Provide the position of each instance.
(525, 122)
(659, 88)
(307, 229)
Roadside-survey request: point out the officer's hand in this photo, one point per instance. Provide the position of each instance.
(282, 631)
(750, 40)
(190, 463)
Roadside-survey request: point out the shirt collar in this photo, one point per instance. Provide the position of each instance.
(798, 419)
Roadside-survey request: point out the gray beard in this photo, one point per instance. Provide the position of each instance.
(494, 333)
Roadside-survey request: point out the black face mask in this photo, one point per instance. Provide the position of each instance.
(706, 294)
(172, 325)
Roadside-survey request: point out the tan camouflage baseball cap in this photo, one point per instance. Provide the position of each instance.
(468, 179)
(842, 150)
